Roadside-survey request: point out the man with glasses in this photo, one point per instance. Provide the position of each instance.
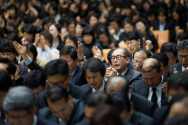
(120, 59)
(19, 106)
(138, 57)
(182, 48)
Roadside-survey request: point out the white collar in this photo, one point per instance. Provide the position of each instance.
(123, 73)
(183, 69)
(35, 120)
(159, 87)
(100, 90)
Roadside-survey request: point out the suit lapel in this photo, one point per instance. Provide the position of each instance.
(73, 80)
(127, 74)
(163, 98)
(144, 90)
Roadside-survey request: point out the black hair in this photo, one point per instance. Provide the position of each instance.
(102, 30)
(140, 20)
(151, 12)
(182, 36)
(126, 53)
(63, 21)
(82, 24)
(29, 28)
(177, 80)
(183, 45)
(148, 54)
(31, 48)
(47, 20)
(7, 46)
(42, 15)
(169, 47)
(57, 66)
(34, 78)
(95, 99)
(57, 93)
(94, 14)
(70, 21)
(47, 36)
(115, 18)
(87, 52)
(69, 50)
(127, 20)
(11, 68)
(54, 7)
(120, 101)
(97, 25)
(1, 33)
(72, 37)
(163, 58)
(88, 31)
(109, 56)
(164, 12)
(94, 65)
(5, 81)
(156, 65)
(131, 36)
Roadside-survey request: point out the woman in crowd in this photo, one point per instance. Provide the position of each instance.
(79, 28)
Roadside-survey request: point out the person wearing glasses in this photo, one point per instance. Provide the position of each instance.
(20, 108)
(182, 66)
(138, 57)
(120, 59)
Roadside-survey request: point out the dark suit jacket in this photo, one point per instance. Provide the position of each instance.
(77, 92)
(141, 119)
(2, 118)
(87, 86)
(35, 66)
(142, 105)
(169, 26)
(141, 88)
(178, 67)
(160, 119)
(76, 116)
(132, 76)
(78, 78)
(41, 121)
(22, 70)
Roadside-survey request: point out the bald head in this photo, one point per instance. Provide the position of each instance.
(150, 64)
(117, 83)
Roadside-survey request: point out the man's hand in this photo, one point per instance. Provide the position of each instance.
(110, 72)
(21, 50)
(165, 89)
(149, 45)
(175, 71)
(37, 39)
(80, 51)
(97, 52)
(17, 72)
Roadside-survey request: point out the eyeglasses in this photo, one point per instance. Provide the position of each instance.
(56, 84)
(135, 62)
(19, 118)
(131, 42)
(118, 57)
(183, 56)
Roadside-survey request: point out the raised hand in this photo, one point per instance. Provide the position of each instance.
(149, 45)
(17, 72)
(175, 71)
(80, 51)
(37, 39)
(110, 72)
(165, 89)
(21, 50)
(97, 52)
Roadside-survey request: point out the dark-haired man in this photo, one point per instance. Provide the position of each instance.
(63, 109)
(151, 85)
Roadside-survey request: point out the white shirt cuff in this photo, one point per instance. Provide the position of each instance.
(28, 61)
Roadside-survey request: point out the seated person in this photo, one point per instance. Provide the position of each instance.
(71, 40)
(181, 37)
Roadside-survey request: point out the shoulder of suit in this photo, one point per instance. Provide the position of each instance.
(144, 118)
(45, 122)
(44, 111)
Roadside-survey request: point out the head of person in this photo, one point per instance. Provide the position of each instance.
(164, 62)
(114, 22)
(92, 102)
(178, 105)
(69, 54)
(46, 37)
(162, 16)
(60, 102)
(79, 28)
(7, 50)
(59, 75)
(126, 9)
(181, 37)
(177, 120)
(87, 52)
(92, 19)
(12, 11)
(182, 48)
(106, 115)
(138, 57)
(46, 22)
(103, 35)
(171, 51)
(177, 84)
(109, 56)
(55, 29)
(121, 102)
(29, 32)
(128, 25)
(71, 24)
(53, 9)
(120, 58)
(5, 85)
(31, 51)
(71, 40)
(14, 37)
(132, 40)
(140, 25)
(36, 81)
(88, 35)
(135, 15)
(94, 70)
(7, 66)
(20, 107)
(117, 84)
(151, 72)
(151, 16)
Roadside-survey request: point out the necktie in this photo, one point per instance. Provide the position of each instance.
(154, 97)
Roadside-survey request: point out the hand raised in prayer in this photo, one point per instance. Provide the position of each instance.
(21, 50)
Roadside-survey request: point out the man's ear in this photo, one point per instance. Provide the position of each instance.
(131, 105)
(128, 60)
(77, 60)
(161, 71)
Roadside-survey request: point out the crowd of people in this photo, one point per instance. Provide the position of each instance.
(53, 71)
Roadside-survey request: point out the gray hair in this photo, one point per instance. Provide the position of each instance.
(19, 98)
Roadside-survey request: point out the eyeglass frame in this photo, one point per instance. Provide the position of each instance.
(115, 57)
(183, 56)
(57, 84)
(140, 63)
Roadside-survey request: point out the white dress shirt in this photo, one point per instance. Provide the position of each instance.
(123, 73)
(158, 92)
(35, 120)
(183, 69)
(162, 26)
(100, 90)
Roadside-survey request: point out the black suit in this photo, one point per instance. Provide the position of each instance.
(141, 119)
(160, 119)
(78, 78)
(141, 104)
(41, 121)
(77, 114)
(141, 88)
(178, 67)
(76, 92)
(34, 66)
(132, 76)
(2, 118)
(87, 86)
